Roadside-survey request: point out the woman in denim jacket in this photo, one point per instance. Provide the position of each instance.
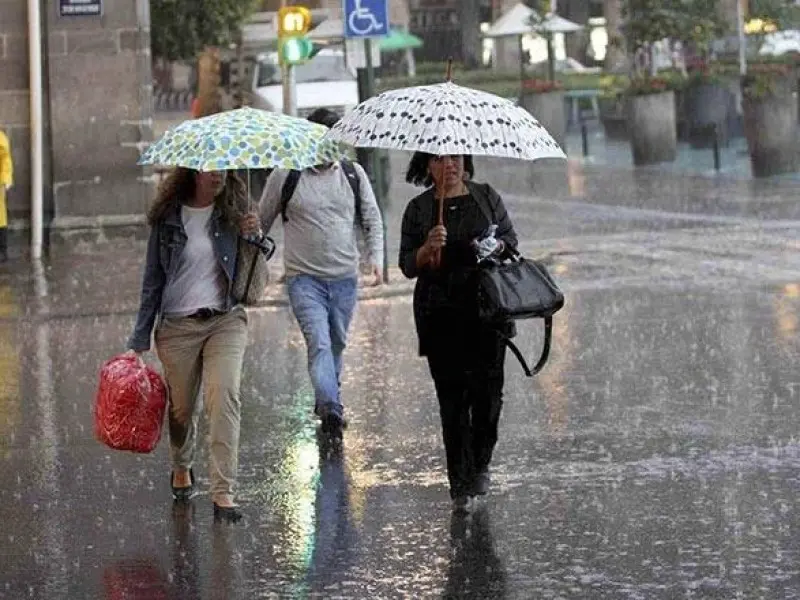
(200, 331)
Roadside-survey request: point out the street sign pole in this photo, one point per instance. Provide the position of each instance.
(375, 165)
(289, 91)
(366, 20)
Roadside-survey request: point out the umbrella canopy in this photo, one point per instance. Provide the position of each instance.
(519, 20)
(244, 138)
(446, 119)
(399, 40)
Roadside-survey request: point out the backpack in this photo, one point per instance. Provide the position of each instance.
(290, 185)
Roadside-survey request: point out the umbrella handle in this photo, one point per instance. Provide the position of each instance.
(437, 256)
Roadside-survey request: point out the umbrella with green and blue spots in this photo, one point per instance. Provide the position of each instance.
(245, 138)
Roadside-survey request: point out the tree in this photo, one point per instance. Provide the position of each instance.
(784, 14)
(471, 46)
(650, 21)
(181, 29)
(616, 60)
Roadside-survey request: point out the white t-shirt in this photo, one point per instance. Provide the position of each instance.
(199, 280)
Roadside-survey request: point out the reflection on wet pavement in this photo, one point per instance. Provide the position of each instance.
(655, 457)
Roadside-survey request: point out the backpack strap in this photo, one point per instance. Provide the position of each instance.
(293, 178)
(548, 334)
(355, 184)
(287, 191)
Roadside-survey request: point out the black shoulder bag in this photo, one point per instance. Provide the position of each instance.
(517, 288)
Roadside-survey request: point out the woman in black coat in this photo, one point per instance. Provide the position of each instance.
(465, 356)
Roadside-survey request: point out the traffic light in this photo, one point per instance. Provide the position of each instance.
(293, 45)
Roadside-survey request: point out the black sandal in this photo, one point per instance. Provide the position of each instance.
(182, 494)
(229, 514)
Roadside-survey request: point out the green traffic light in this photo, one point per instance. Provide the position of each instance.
(296, 50)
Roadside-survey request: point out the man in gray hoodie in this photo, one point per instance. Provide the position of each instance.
(322, 208)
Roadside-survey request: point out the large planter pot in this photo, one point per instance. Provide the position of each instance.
(651, 124)
(707, 107)
(771, 128)
(549, 109)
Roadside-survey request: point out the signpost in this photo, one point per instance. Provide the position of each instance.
(365, 20)
(80, 8)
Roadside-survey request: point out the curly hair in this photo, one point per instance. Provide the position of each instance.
(418, 173)
(180, 185)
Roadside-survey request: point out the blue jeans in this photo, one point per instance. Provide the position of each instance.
(323, 310)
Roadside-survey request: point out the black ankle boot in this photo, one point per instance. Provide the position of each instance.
(228, 514)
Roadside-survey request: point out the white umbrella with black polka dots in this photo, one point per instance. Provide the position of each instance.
(446, 119)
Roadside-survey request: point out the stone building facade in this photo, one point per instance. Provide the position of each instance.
(97, 112)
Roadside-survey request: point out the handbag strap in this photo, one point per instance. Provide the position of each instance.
(548, 334)
(265, 246)
(251, 274)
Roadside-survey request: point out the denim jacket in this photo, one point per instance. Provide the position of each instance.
(167, 241)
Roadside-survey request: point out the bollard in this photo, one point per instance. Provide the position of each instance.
(715, 146)
(585, 138)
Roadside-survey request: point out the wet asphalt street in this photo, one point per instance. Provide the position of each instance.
(656, 457)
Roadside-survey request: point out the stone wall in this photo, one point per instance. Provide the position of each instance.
(99, 71)
(14, 102)
(97, 110)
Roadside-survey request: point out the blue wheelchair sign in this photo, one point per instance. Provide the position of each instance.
(366, 18)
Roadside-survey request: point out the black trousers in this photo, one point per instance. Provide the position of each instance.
(467, 368)
(3, 242)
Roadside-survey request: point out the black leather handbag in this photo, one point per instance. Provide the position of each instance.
(514, 289)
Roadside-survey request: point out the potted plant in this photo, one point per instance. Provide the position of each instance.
(650, 99)
(544, 99)
(769, 104)
(650, 109)
(709, 104)
(769, 99)
(707, 99)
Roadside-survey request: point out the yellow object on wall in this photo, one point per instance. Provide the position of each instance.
(6, 176)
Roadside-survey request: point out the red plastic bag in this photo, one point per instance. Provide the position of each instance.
(130, 405)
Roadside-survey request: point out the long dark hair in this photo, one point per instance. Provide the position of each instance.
(180, 186)
(418, 173)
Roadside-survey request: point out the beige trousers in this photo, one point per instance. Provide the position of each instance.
(210, 352)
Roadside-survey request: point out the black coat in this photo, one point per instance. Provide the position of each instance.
(431, 292)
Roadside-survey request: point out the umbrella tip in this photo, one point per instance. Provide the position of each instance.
(449, 73)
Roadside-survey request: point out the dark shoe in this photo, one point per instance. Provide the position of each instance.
(480, 487)
(183, 494)
(462, 505)
(333, 425)
(227, 514)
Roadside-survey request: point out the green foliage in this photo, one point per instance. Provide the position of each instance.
(765, 80)
(643, 86)
(649, 21)
(541, 8)
(784, 14)
(180, 29)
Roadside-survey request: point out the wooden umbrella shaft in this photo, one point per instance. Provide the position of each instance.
(437, 257)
